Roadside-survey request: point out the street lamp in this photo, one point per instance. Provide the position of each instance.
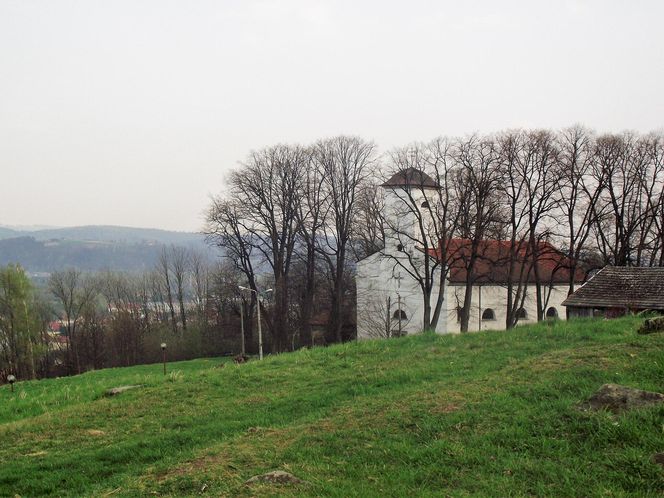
(11, 379)
(258, 312)
(163, 352)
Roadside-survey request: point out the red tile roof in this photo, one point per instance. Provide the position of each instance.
(492, 264)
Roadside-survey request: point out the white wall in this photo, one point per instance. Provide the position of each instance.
(376, 280)
(495, 297)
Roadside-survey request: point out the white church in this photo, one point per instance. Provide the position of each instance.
(390, 299)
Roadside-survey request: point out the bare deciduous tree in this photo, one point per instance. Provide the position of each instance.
(74, 292)
(344, 163)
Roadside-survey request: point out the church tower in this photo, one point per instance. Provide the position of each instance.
(408, 195)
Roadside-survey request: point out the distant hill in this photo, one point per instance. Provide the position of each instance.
(6, 233)
(104, 233)
(91, 248)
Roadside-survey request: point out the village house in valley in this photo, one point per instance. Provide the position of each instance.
(390, 297)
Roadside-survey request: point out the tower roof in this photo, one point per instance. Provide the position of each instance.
(411, 177)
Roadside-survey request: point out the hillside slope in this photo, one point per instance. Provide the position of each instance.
(485, 414)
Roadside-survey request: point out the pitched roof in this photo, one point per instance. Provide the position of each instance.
(621, 287)
(411, 177)
(493, 258)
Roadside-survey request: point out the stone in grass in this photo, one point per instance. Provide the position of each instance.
(658, 458)
(652, 325)
(617, 398)
(275, 477)
(119, 390)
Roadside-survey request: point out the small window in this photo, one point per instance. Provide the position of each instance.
(399, 247)
(488, 314)
(400, 315)
(425, 204)
(552, 312)
(521, 314)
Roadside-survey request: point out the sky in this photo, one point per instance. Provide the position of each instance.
(133, 112)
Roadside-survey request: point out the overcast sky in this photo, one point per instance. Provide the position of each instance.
(131, 112)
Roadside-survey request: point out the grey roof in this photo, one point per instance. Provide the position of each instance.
(621, 287)
(411, 177)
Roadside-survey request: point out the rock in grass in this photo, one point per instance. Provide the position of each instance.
(617, 398)
(275, 477)
(652, 325)
(119, 390)
(658, 458)
(241, 358)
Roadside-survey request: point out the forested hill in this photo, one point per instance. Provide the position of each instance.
(91, 247)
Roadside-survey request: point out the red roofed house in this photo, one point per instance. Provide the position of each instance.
(389, 298)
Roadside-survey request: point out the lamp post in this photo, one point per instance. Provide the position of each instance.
(11, 379)
(244, 347)
(163, 354)
(258, 312)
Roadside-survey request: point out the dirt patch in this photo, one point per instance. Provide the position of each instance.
(119, 390)
(275, 477)
(443, 409)
(617, 398)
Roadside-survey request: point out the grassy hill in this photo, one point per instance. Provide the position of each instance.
(485, 414)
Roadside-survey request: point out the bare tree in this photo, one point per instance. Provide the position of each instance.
(179, 263)
(200, 277)
(344, 163)
(74, 293)
(579, 190)
(622, 209)
(311, 212)
(225, 229)
(538, 166)
(266, 196)
(164, 271)
(655, 150)
(476, 185)
(513, 189)
(370, 222)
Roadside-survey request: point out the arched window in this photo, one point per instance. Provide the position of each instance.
(399, 247)
(521, 314)
(552, 312)
(425, 204)
(400, 315)
(488, 314)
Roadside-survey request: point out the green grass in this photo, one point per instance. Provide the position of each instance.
(484, 414)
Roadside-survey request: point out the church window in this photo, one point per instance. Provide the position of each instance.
(400, 315)
(425, 204)
(552, 312)
(521, 314)
(488, 314)
(399, 247)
